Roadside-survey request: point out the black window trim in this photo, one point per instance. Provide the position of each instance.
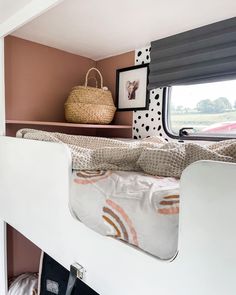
(166, 118)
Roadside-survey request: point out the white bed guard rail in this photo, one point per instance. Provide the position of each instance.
(34, 195)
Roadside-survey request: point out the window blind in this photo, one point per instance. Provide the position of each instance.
(201, 55)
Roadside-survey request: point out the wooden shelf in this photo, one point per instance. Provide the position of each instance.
(70, 125)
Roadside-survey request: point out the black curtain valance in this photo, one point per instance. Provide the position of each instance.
(201, 55)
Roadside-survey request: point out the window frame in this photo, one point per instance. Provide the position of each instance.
(166, 123)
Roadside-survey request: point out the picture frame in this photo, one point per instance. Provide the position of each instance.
(131, 88)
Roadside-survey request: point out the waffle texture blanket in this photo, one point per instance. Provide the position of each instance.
(152, 155)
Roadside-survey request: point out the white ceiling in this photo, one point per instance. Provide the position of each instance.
(102, 28)
(10, 7)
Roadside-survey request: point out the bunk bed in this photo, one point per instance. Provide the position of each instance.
(35, 202)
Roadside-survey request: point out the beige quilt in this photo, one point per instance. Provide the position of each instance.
(152, 155)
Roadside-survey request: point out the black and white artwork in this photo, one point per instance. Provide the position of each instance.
(131, 88)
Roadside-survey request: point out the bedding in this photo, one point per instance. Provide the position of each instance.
(153, 155)
(134, 207)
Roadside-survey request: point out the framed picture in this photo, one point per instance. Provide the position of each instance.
(131, 88)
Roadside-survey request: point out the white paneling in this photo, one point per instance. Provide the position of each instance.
(35, 199)
(3, 259)
(3, 251)
(2, 88)
(103, 28)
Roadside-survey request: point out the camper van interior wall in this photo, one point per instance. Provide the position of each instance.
(104, 176)
(131, 88)
(149, 122)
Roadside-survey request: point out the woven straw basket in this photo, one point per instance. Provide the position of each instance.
(91, 105)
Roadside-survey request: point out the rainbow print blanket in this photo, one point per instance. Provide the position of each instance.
(134, 207)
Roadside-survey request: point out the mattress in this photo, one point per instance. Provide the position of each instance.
(139, 209)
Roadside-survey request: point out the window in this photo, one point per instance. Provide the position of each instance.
(210, 109)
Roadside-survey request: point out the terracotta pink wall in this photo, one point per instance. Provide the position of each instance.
(39, 78)
(108, 66)
(23, 255)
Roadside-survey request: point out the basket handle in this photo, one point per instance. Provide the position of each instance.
(100, 75)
